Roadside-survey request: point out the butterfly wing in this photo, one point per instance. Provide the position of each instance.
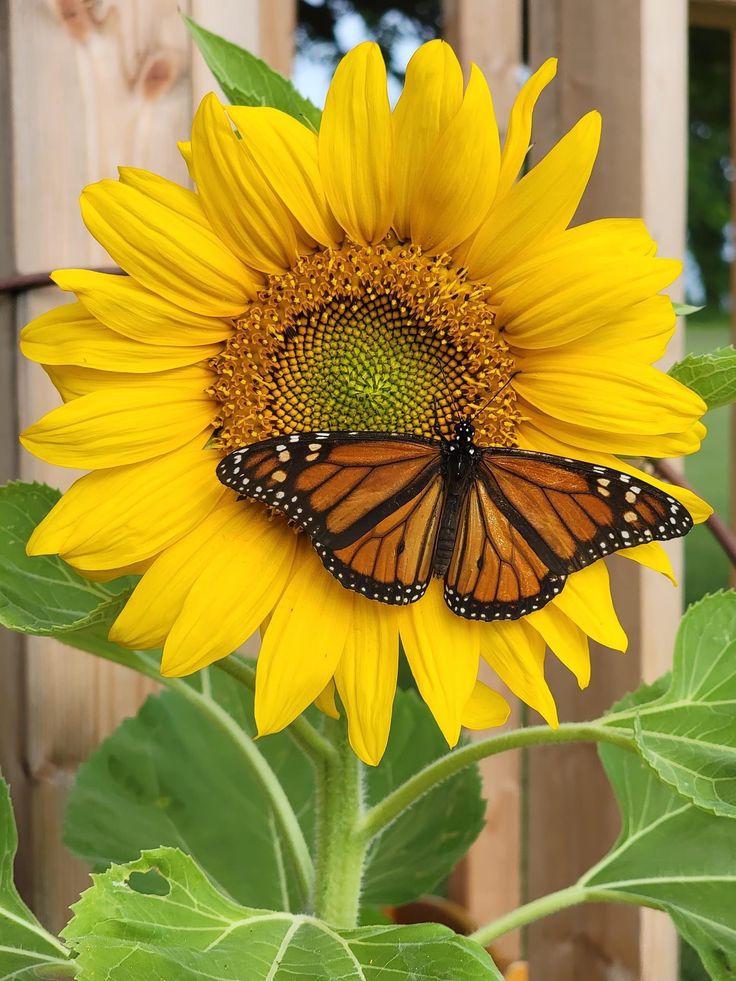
(370, 502)
(531, 519)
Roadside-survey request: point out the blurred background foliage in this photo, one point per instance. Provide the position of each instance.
(328, 28)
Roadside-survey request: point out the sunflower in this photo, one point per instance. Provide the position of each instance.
(392, 266)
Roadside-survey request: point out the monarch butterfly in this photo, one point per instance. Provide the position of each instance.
(503, 527)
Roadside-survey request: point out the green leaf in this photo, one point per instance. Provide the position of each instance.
(670, 854)
(190, 930)
(27, 951)
(42, 594)
(688, 734)
(712, 376)
(172, 776)
(248, 81)
(407, 861)
(153, 781)
(685, 309)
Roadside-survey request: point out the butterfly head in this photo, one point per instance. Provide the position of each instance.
(464, 433)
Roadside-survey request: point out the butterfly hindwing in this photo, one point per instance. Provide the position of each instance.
(495, 572)
(370, 502)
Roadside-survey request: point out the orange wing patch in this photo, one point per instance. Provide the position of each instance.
(492, 564)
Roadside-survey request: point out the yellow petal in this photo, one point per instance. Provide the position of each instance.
(588, 439)
(107, 575)
(355, 146)
(607, 394)
(303, 644)
(366, 677)
(564, 299)
(565, 639)
(432, 95)
(586, 599)
(485, 708)
(653, 556)
(117, 426)
(442, 650)
(116, 517)
(72, 381)
(287, 154)
(325, 701)
(240, 204)
(519, 132)
(532, 438)
(248, 566)
(459, 180)
(172, 196)
(169, 253)
(515, 651)
(640, 333)
(541, 204)
(158, 598)
(129, 309)
(185, 149)
(69, 335)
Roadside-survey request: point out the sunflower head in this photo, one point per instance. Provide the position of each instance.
(393, 272)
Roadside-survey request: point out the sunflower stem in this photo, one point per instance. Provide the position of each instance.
(341, 851)
(551, 903)
(379, 817)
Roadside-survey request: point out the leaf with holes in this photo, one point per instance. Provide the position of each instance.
(27, 951)
(688, 734)
(187, 929)
(248, 81)
(712, 375)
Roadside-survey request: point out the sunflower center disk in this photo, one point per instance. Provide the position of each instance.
(365, 338)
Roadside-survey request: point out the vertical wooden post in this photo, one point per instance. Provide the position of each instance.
(489, 33)
(114, 84)
(11, 645)
(627, 59)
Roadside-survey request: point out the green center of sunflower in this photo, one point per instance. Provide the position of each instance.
(377, 338)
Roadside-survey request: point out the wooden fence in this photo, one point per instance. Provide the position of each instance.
(87, 85)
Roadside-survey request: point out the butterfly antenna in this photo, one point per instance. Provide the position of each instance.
(495, 395)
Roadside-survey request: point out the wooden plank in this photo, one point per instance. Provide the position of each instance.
(115, 85)
(489, 33)
(12, 759)
(713, 13)
(629, 60)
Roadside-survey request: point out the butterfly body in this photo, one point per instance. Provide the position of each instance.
(502, 527)
(458, 466)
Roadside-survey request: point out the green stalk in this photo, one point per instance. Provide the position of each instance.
(546, 905)
(386, 811)
(341, 851)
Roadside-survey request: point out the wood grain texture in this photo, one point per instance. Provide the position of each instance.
(488, 32)
(627, 59)
(94, 85)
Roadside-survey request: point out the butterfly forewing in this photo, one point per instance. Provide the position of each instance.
(370, 502)
(581, 511)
